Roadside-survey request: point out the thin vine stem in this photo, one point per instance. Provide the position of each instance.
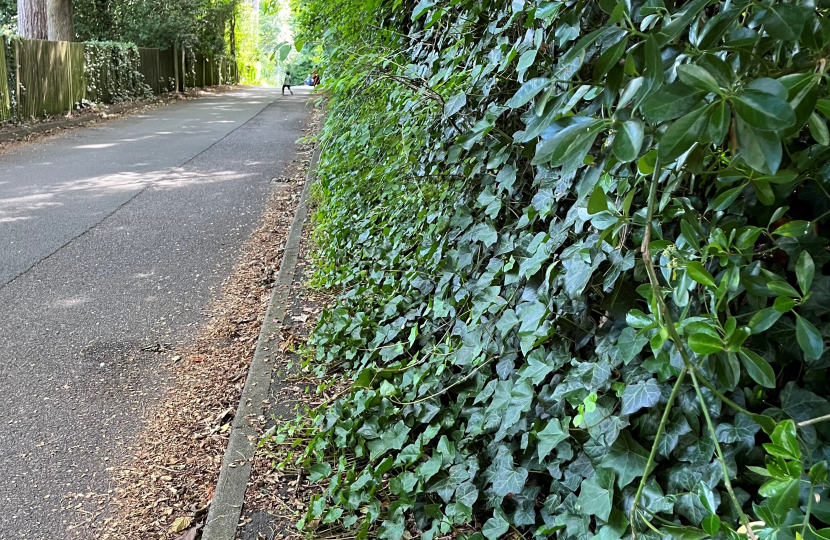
(741, 515)
(653, 455)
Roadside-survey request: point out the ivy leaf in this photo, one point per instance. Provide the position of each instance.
(455, 103)
(319, 471)
(630, 344)
(809, 339)
(422, 6)
(640, 395)
(496, 526)
(628, 141)
(536, 369)
(597, 201)
(758, 368)
(550, 437)
(391, 439)
(627, 458)
(509, 480)
(508, 321)
(596, 493)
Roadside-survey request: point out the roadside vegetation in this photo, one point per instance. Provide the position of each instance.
(257, 35)
(579, 252)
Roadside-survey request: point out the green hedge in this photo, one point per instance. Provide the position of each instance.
(579, 248)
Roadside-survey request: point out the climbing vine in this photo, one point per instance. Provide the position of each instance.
(579, 248)
(112, 73)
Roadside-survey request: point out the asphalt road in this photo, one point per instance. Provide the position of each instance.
(113, 238)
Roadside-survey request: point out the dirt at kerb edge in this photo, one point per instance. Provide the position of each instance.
(172, 468)
(103, 115)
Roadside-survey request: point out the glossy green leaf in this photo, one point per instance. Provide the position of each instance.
(682, 134)
(805, 270)
(528, 91)
(818, 129)
(628, 141)
(719, 122)
(705, 344)
(697, 77)
(763, 111)
(793, 228)
(760, 149)
(784, 21)
(758, 368)
(699, 273)
(809, 338)
(671, 101)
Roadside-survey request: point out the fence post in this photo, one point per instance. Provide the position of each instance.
(68, 50)
(176, 69)
(17, 76)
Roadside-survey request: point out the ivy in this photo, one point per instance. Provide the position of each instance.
(579, 248)
(111, 70)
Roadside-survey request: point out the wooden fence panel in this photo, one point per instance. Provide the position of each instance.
(77, 77)
(45, 77)
(5, 101)
(200, 71)
(167, 71)
(149, 67)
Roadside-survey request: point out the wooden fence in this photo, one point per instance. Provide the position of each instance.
(52, 77)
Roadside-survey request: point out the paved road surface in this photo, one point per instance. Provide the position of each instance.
(112, 238)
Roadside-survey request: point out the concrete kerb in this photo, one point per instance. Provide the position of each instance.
(226, 506)
(16, 134)
(119, 108)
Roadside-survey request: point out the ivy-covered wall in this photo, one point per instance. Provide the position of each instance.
(581, 250)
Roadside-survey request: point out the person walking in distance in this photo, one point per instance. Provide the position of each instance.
(287, 83)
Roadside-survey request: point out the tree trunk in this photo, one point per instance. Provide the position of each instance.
(31, 18)
(59, 20)
(232, 36)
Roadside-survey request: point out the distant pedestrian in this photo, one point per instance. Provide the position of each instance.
(315, 79)
(287, 83)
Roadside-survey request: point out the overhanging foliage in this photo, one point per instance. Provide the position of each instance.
(580, 248)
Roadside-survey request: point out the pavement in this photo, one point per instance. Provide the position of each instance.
(114, 239)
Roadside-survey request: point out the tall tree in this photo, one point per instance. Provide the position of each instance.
(59, 20)
(31, 18)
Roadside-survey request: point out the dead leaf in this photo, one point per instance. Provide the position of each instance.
(181, 524)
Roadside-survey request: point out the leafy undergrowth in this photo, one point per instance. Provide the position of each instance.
(579, 248)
